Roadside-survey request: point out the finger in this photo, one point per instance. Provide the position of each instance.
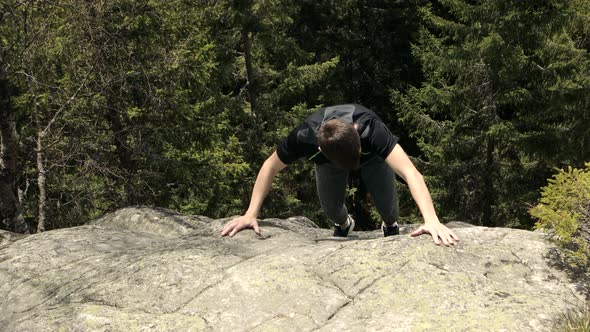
(234, 231)
(455, 237)
(418, 232)
(435, 238)
(256, 228)
(447, 237)
(229, 223)
(450, 238)
(228, 227)
(228, 230)
(444, 239)
(237, 229)
(225, 227)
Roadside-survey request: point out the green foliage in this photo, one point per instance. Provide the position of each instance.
(177, 104)
(564, 211)
(579, 29)
(503, 99)
(149, 103)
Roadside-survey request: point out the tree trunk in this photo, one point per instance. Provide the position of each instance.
(118, 124)
(488, 183)
(251, 75)
(41, 173)
(246, 21)
(120, 138)
(10, 212)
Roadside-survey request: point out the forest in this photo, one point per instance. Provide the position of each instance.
(176, 104)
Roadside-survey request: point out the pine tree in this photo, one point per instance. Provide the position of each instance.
(269, 79)
(501, 103)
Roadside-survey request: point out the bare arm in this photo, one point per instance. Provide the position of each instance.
(402, 165)
(262, 187)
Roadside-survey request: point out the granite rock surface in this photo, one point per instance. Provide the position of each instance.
(143, 269)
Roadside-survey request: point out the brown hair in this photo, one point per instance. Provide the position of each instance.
(340, 143)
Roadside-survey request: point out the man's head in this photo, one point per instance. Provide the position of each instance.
(340, 143)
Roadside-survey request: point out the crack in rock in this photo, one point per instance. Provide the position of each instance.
(351, 300)
(51, 294)
(197, 295)
(344, 305)
(521, 261)
(439, 267)
(62, 267)
(330, 282)
(225, 273)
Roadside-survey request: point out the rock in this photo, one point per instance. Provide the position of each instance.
(7, 237)
(142, 269)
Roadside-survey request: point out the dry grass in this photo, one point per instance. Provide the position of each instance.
(577, 319)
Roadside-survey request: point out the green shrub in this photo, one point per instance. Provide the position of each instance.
(564, 212)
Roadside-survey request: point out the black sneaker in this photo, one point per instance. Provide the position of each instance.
(343, 232)
(390, 230)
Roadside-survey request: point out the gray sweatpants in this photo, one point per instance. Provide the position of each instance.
(379, 179)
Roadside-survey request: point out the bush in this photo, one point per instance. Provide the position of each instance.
(564, 212)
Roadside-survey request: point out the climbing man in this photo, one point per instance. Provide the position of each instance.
(339, 139)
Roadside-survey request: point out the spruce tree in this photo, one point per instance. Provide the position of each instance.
(501, 103)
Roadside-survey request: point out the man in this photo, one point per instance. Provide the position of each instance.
(340, 139)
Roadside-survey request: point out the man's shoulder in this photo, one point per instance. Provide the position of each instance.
(364, 112)
(340, 111)
(347, 112)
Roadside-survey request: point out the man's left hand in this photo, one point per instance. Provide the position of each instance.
(439, 233)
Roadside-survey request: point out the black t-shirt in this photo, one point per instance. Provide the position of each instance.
(302, 142)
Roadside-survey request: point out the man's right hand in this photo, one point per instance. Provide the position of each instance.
(238, 224)
(262, 186)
